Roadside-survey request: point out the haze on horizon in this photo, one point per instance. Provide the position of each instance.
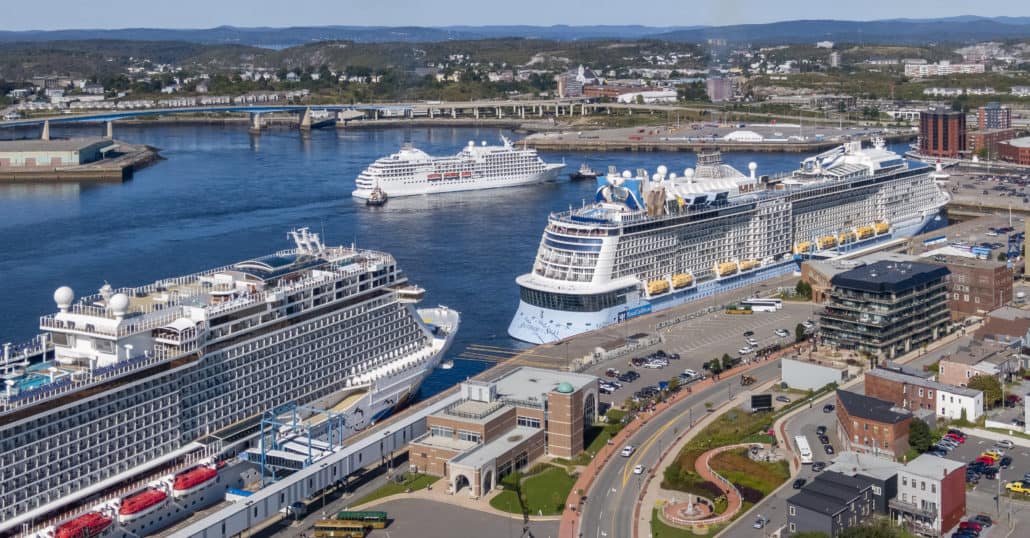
(75, 14)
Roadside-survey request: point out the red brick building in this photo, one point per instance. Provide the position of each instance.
(976, 287)
(987, 140)
(942, 133)
(1015, 151)
(871, 425)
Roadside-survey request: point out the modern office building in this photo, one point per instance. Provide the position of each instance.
(830, 503)
(942, 133)
(872, 426)
(886, 308)
(931, 495)
(501, 426)
(993, 116)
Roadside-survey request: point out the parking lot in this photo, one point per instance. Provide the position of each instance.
(701, 340)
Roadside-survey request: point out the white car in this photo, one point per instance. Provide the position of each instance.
(1005, 443)
(689, 373)
(627, 451)
(639, 469)
(782, 333)
(752, 342)
(744, 350)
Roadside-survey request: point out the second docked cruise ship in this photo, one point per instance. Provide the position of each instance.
(412, 171)
(117, 415)
(655, 241)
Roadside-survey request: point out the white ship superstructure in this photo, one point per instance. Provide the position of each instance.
(181, 370)
(412, 171)
(655, 241)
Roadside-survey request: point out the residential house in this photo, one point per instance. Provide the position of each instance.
(872, 426)
(830, 503)
(931, 495)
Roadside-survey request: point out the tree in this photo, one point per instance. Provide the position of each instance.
(727, 361)
(714, 366)
(803, 289)
(1002, 257)
(919, 436)
(799, 332)
(990, 386)
(674, 384)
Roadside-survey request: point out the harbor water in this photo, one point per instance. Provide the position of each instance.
(224, 195)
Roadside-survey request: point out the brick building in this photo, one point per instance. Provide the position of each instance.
(501, 426)
(1015, 151)
(931, 495)
(942, 133)
(872, 426)
(978, 358)
(985, 142)
(993, 116)
(918, 394)
(976, 286)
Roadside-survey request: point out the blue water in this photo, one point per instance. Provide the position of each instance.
(223, 196)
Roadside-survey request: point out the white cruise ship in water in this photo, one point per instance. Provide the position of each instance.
(117, 430)
(654, 241)
(412, 171)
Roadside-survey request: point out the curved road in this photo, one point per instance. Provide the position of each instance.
(613, 496)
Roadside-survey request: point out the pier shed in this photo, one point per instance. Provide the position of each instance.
(35, 154)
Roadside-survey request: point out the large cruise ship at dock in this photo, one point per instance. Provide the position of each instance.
(119, 418)
(412, 171)
(654, 241)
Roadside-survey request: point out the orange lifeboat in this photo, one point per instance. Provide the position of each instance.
(140, 504)
(192, 480)
(84, 526)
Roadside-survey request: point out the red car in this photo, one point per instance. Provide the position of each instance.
(971, 525)
(986, 459)
(957, 438)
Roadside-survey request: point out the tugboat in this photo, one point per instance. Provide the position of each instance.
(376, 197)
(584, 172)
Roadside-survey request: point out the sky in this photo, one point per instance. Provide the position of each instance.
(67, 14)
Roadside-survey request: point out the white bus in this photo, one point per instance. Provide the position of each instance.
(763, 305)
(804, 451)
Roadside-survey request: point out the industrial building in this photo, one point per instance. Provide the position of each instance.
(37, 154)
(499, 427)
(1015, 151)
(886, 308)
(942, 133)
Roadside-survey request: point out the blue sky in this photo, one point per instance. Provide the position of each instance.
(57, 14)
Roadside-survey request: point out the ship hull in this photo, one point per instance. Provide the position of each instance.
(538, 325)
(397, 190)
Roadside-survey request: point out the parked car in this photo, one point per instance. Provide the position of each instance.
(955, 437)
(629, 376)
(748, 334)
(761, 522)
(983, 520)
(828, 408)
(1005, 462)
(821, 430)
(799, 483)
(828, 449)
(627, 451)
(957, 432)
(990, 473)
(782, 333)
(1018, 487)
(611, 372)
(1007, 444)
(818, 466)
(744, 350)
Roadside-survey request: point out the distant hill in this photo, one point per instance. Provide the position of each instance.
(899, 31)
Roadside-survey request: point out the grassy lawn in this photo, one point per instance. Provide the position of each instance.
(412, 481)
(660, 530)
(544, 492)
(749, 476)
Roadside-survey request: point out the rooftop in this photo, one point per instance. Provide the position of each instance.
(488, 452)
(855, 463)
(976, 352)
(834, 266)
(889, 277)
(932, 467)
(1019, 142)
(533, 384)
(474, 410)
(829, 492)
(919, 381)
(55, 144)
(869, 408)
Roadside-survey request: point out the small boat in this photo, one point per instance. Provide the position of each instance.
(882, 227)
(446, 365)
(584, 172)
(657, 287)
(192, 480)
(748, 265)
(725, 268)
(682, 280)
(802, 247)
(84, 526)
(827, 241)
(376, 197)
(140, 504)
(865, 232)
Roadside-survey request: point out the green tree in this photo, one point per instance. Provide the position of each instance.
(919, 435)
(799, 332)
(990, 386)
(803, 289)
(727, 361)
(714, 366)
(1002, 257)
(674, 384)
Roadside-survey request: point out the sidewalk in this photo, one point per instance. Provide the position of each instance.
(462, 499)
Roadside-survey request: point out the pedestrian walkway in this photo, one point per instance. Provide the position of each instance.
(674, 513)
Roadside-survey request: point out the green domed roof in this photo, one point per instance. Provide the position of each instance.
(565, 388)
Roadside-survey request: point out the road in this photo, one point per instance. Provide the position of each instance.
(609, 509)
